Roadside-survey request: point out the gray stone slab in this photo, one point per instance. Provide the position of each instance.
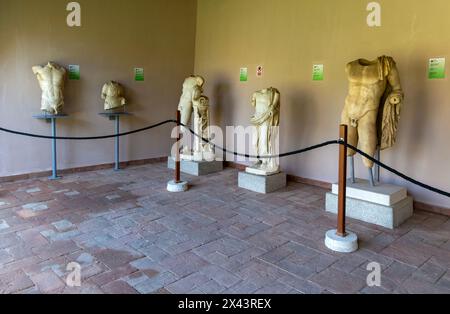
(262, 184)
(197, 168)
(389, 217)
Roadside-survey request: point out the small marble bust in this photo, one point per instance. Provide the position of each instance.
(51, 79)
(113, 95)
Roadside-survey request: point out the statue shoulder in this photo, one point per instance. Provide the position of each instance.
(350, 66)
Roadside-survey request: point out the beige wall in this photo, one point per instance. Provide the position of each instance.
(115, 37)
(288, 36)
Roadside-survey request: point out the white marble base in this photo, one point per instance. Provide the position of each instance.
(382, 194)
(175, 187)
(199, 157)
(260, 172)
(347, 244)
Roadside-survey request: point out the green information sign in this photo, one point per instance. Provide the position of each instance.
(436, 68)
(244, 74)
(74, 72)
(318, 74)
(139, 74)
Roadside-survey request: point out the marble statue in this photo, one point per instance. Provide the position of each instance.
(202, 149)
(192, 90)
(51, 79)
(113, 93)
(266, 122)
(372, 107)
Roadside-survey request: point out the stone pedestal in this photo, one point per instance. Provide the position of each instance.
(384, 205)
(262, 184)
(197, 168)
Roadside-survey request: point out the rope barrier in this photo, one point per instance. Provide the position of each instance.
(66, 138)
(296, 152)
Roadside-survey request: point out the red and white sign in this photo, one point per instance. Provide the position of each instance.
(259, 71)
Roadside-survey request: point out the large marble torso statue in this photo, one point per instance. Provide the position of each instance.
(372, 107)
(113, 93)
(266, 122)
(51, 80)
(192, 90)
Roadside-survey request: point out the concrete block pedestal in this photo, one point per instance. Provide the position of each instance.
(176, 187)
(347, 244)
(262, 184)
(384, 205)
(197, 168)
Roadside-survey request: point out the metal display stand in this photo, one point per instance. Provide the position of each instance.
(52, 118)
(115, 116)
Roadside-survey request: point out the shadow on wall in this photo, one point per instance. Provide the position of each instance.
(221, 115)
(298, 109)
(413, 119)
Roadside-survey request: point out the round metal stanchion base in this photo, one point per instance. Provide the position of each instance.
(347, 244)
(175, 187)
(55, 178)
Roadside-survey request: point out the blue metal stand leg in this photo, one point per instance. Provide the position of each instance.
(54, 158)
(377, 167)
(117, 166)
(372, 182)
(352, 169)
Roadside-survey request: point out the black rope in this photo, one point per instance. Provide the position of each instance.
(296, 152)
(396, 172)
(337, 142)
(66, 138)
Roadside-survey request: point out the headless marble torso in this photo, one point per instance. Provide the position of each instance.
(51, 80)
(370, 82)
(192, 91)
(266, 120)
(365, 89)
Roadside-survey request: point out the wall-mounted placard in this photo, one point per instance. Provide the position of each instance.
(74, 72)
(436, 68)
(318, 72)
(243, 76)
(139, 74)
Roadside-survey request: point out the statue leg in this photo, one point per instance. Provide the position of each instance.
(352, 139)
(186, 117)
(352, 136)
(368, 139)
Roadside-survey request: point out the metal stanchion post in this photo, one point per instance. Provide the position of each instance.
(54, 151)
(342, 182)
(340, 240)
(117, 159)
(177, 185)
(177, 160)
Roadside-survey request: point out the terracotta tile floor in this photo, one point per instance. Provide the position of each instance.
(130, 236)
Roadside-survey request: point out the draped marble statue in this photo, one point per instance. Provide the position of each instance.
(113, 95)
(266, 122)
(192, 91)
(202, 149)
(51, 79)
(372, 107)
